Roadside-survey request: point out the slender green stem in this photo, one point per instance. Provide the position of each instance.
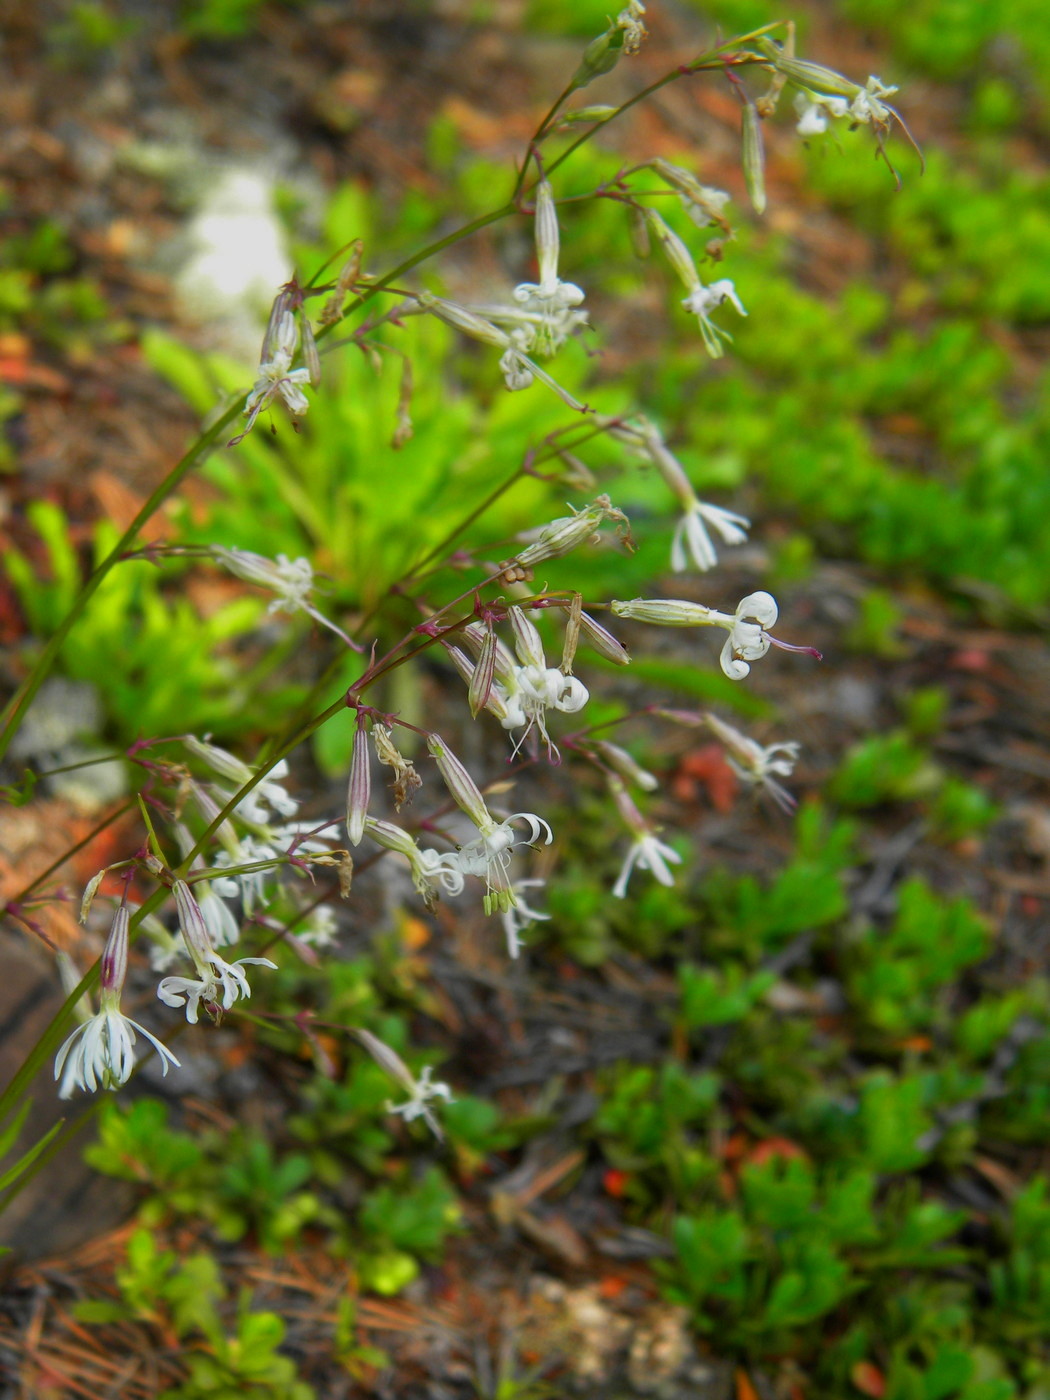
(456, 236)
(699, 65)
(537, 136)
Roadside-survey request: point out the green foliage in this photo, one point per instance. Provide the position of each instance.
(886, 767)
(895, 974)
(807, 893)
(90, 28)
(961, 809)
(955, 38)
(221, 19)
(714, 997)
(874, 632)
(186, 1296)
(168, 667)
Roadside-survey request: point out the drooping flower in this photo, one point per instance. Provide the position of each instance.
(100, 1052)
(551, 301)
(701, 301)
(748, 638)
(276, 378)
(422, 1091)
(520, 915)
(646, 852)
(518, 369)
(691, 541)
(430, 869)
(292, 580)
(757, 763)
(814, 111)
(488, 856)
(218, 983)
(533, 687)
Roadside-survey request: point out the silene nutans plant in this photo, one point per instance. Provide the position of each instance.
(226, 866)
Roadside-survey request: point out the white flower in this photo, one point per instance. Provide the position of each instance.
(525, 692)
(747, 639)
(692, 542)
(429, 868)
(647, 853)
(549, 304)
(867, 107)
(691, 539)
(320, 928)
(518, 370)
(292, 580)
(701, 301)
(488, 856)
(757, 763)
(100, 1052)
(248, 885)
(277, 378)
(104, 1055)
(422, 1093)
(269, 790)
(814, 109)
(220, 985)
(520, 915)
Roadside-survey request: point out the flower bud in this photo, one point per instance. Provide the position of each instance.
(808, 75)
(677, 254)
(669, 612)
(527, 640)
(114, 965)
(480, 688)
(754, 158)
(562, 536)
(359, 790)
(621, 762)
(589, 114)
(603, 641)
(600, 56)
(461, 785)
